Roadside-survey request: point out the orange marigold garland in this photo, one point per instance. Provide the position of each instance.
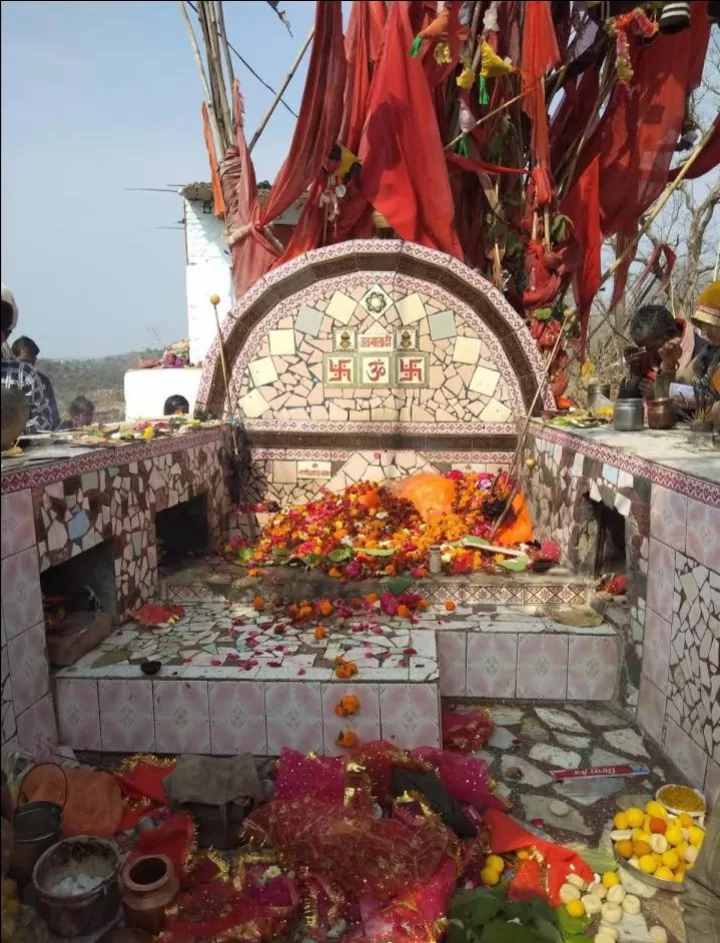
(347, 706)
(347, 739)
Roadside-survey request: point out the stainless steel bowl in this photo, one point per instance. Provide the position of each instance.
(629, 415)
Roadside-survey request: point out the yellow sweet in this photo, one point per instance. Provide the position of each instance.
(681, 849)
(489, 877)
(685, 820)
(674, 835)
(625, 848)
(664, 874)
(670, 860)
(621, 820)
(495, 862)
(635, 817)
(696, 836)
(648, 864)
(610, 879)
(656, 809)
(575, 908)
(641, 848)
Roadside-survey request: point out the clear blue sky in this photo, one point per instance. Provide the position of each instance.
(97, 98)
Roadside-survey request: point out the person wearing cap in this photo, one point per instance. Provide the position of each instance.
(663, 348)
(706, 319)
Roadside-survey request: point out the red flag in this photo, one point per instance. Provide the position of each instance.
(539, 53)
(582, 206)
(403, 174)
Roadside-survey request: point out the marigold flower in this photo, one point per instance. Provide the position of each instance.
(335, 573)
(371, 599)
(259, 603)
(450, 606)
(320, 632)
(347, 739)
(403, 612)
(347, 706)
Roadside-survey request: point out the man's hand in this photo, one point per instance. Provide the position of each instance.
(670, 354)
(647, 388)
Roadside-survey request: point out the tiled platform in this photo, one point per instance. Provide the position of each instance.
(234, 679)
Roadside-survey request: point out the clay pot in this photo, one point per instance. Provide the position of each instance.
(147, 886)
(14, 410)
(661, 414)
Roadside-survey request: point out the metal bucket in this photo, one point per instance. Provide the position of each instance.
(36, 827)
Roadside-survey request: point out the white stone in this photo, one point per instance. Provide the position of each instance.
(554, 756)
(509, 716)
(531, 775)
(252, 405)
(308, 320)
(501, 739)
(587, 792)
(559, 720)
(577, 743)
(485, 381)
(599, 717)
(540, 807)
(341, 307)
(263, 371)
(411, 309)
(282, 343)
(627, 741)
(495, 412)
(467, 350)
(442, 325)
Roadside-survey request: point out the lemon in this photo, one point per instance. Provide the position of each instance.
(664, 874)
(575, 908)
(635, 817)
(621, 820)
(674, 835)
(671, 860)
(656, 809)
(489, 877)
(696, 836)
(610, 879)
(648, 864)
(495, 862)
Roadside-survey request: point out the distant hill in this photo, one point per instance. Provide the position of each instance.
(99, 378)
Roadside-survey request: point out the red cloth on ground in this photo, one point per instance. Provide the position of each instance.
(582, 206)
(558, 861)
(315, 132)
(142, 787)
(467, 732)
(404, 175)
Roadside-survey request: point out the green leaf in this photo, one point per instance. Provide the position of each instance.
(571, 926)
(245, 554)
(339, 555)
(471, 541)
(543, 314)
(113, 657)
(597, 860)
(547, 929)
(376, 552)
(516, 565)
(400, 585)
(499, 931)
(476, 910)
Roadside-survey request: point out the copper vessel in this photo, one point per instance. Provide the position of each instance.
(661, 413)
(147, 886)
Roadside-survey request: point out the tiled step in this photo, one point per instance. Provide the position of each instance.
(558, 587)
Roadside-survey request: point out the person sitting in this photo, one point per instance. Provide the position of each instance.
(176, 406)
(663, 348)
(19, 375)
(706, 319)
(27, 351)
(82, 411)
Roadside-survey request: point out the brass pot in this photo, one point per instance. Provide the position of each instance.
(14, 411)
(661, 413)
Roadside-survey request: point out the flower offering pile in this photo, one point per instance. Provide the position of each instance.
(370, 529)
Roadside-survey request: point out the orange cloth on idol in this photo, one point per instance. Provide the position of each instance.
(517, 526)
(432, 495)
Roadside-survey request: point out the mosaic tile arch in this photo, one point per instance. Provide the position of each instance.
(375, 337)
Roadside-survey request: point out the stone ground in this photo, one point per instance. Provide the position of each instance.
(531, 740)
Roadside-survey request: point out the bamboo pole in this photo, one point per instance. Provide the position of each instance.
(647, 222)
(278, 96)
(220, 80)
(228, 61)
(212, 116)
(496, 111)
(215, 301)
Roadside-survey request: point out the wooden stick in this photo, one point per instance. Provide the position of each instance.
(223, 361)
(286, 82)
(228, 61)
(212, 117)
(496, 111)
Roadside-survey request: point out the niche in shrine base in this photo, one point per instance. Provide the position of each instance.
(371, 360)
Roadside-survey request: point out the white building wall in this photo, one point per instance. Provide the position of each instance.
(207, 273)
